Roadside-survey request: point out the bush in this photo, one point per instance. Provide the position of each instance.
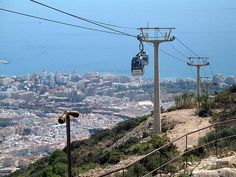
(125, 126)
(233, 88)
(158, 141)
(204, 103)
(57, 156)
(141, 149)
(184, 174)
(60, 169)
(110, 157)
(88, 153)
(185, 101)
(211, 136)
(87, 167)
(137, 170)
(26, 131)
(100, 134)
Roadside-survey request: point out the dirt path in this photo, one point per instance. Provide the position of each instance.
(187, 122)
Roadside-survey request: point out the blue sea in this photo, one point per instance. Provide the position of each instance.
(30, 45)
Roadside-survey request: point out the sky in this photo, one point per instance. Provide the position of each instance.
(206, 27)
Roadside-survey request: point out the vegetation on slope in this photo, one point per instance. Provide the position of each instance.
(91, 153)
(86, 154)
(185, 101)
(203, 103)
(227, 101)
(228, 143)
(94, 152)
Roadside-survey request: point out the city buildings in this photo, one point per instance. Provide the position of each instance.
(30, 106)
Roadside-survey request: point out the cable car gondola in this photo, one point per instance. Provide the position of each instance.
(137, 66)
(145, 57)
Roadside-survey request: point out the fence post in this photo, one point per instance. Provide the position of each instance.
(186, 155)
(216, 133)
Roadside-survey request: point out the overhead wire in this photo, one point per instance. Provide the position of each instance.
(55, 21)
(102, 24)
(211, 70)
(184, 54)
(204, 71)
(177, 58)
(192, 72)
(186, 46)
(180, 54)
(178, 50)
(174, 46)
(180, 59)
(84, 19)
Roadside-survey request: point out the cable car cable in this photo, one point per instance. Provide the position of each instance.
(103, 23)
(204, 71)
(83, 19)
(58, 22)
(211, 70)
(186, 46)
(177, 58)
(172, 56)
(180, 59)
(192, 72)
(174, 46)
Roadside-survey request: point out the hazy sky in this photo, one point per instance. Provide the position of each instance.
(207, 27)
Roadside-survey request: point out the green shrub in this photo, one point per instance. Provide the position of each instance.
(204, 103)
(141, 149)
(60, 169)
(100, 134)
(184, 174)
(86, 167)
(57, 156)
(211, 136)
(110, 157)
(137, 170)
(185, 101)
(233, 88)
(125, 126)
(158, 141)
(86, 153)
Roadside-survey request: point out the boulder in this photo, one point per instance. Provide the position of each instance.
(232, 161)
(227, 172)
(223, 162)
(223, 172)
(205, 173)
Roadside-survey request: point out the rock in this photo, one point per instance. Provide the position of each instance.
(223, 172)
(163, 175)
(227, 172)
(205, 173)
(232, 161)
(229, 162)
(208, 164)
(222, 163)
(189, 146)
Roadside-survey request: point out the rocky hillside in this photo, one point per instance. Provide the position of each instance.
(216, 167)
